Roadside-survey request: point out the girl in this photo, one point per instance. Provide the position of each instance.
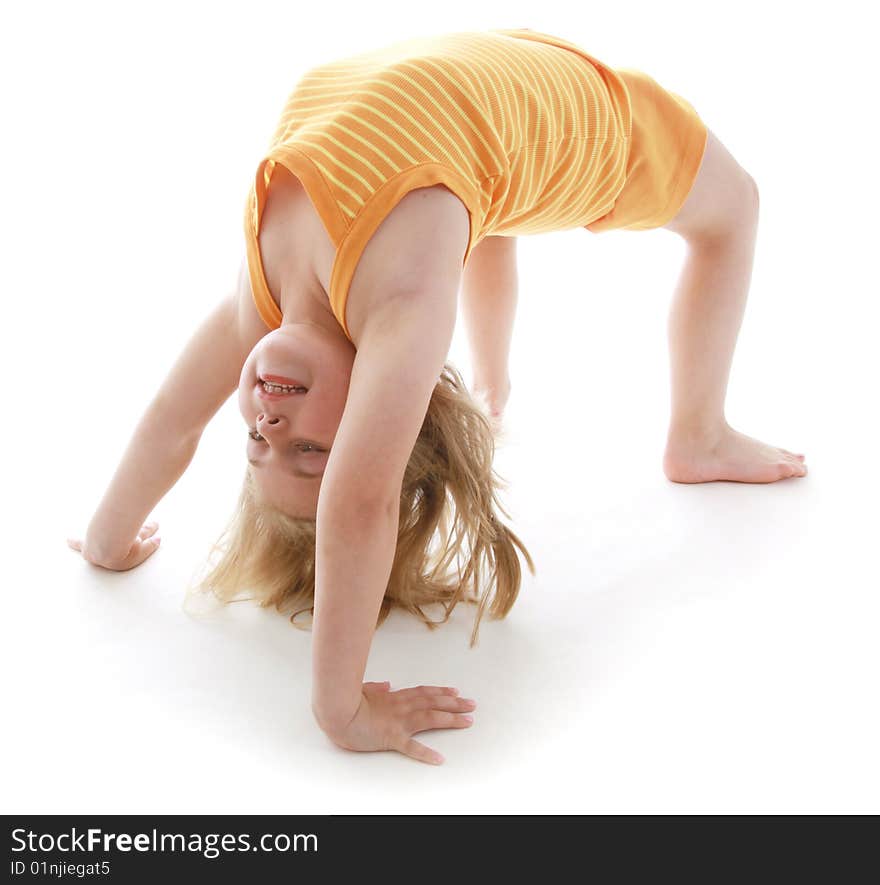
(395, 181)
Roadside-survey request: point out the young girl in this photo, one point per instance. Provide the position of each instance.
(395, 183)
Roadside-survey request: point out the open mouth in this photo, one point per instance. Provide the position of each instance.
(270, 388)
(281, 380)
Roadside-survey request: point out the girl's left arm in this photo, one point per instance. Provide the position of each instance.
(165, 440)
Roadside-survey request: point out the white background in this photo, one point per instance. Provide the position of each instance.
(683, 647)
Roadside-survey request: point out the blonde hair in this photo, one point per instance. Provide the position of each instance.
(450, 489)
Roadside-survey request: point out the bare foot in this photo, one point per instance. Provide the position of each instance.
(728, 455)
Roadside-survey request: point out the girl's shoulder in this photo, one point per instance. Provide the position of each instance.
(419, 245)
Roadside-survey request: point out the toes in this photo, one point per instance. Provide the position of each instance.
(793, 454)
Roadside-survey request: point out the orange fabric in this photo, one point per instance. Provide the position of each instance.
(666, 150)
(528, 130)
(531, 133)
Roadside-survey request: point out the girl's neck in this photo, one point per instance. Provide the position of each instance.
(305, 305)
(297, 255)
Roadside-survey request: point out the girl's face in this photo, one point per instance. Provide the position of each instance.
(291, 428)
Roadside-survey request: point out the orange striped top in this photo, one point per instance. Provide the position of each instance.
(530, 132)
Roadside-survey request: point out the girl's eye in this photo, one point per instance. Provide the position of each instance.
(303, 447)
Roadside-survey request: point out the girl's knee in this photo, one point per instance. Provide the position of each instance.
(722, 196)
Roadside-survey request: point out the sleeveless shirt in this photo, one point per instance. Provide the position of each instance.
(528, 130)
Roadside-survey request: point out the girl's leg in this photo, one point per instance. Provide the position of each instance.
(719, 222)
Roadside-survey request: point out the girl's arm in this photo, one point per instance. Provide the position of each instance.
(489, 294)
(411, 273)
(399, 359)
(165, 440)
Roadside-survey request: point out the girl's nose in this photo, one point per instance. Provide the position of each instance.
(266, 421)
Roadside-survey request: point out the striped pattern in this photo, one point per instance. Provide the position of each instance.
(527, 129)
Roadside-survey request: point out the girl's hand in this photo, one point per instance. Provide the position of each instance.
(493, 398)
(143, 546)
(386, 720)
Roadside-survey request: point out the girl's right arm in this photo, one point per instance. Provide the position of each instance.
(411, 272)
(489, 295)
(164, 442)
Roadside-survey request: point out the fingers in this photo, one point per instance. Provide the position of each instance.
(141, 550)
(416, 750)
(426, 690)
(377, 686)
(426, 720)
(148, 529)
(434, 697)
(411, 710)
(145, 545)
(442, 702)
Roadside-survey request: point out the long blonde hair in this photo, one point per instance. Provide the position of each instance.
(450, 490)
